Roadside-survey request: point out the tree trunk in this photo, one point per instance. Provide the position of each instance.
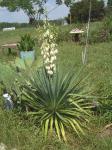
(32, 20)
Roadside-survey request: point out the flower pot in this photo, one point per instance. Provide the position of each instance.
(27, 55)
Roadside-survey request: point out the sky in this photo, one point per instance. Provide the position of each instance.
(6, 16)
(20, 17)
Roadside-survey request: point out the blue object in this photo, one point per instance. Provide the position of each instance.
(27, 55)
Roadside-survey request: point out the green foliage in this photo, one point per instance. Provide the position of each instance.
(105, 110)
(56, 102)
(102, 31)
(80, 11)
(98, 33)
(27, 43)
(96, 142)
(108, 24)
(67, 2)
(109, 3)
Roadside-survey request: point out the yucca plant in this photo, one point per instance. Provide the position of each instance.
(57, 103)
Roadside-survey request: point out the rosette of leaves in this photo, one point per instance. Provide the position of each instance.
(58, 103)
(27, 43)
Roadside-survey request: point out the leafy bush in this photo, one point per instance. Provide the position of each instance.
(56, 102)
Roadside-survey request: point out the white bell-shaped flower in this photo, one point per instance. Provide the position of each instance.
(47, 67)
(50, 72)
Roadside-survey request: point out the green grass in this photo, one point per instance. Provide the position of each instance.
(23, 135)
(15, 132)
(98, 64)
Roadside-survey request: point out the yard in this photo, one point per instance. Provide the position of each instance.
(18, 132)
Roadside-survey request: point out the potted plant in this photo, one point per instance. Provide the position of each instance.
(26, 47)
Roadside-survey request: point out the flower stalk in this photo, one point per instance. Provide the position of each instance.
(49, 48)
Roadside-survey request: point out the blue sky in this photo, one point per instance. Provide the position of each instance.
(60, 12)
(6, 16)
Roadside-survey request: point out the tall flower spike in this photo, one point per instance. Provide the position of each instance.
(49, 48)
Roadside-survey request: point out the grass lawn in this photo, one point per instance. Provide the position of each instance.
(15, 132)
(98, 64)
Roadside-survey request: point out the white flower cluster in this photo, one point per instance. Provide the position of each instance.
(49, 49)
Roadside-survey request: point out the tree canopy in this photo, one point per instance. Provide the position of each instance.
(80, 11)
(67, 2)
(109, 3)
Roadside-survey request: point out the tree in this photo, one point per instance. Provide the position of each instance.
(80, 11)
(109, 7)
(109, 3)
(28, 6)
(67, 2)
